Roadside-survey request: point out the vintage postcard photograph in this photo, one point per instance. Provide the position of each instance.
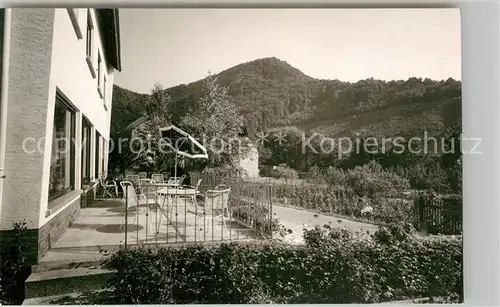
(231, 156)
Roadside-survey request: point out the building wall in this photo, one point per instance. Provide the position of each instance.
(28, 93)
(250, 163)
(77, 83)
(46, 55)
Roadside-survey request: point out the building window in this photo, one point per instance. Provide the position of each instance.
(90, 28)
(90, 45)
(73, 16)
(103, 156)
(99, 75)
(97, 154)
(85, 152)
(104, 93)
(62, 164)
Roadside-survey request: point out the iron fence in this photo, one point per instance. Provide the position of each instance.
(222, 210)
(439, 214)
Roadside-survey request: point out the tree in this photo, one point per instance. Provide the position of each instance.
(218, 123)
(153, 155)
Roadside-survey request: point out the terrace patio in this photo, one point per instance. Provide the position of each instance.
(101, 227)
(252, 212)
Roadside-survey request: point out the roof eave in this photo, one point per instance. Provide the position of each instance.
(116, 18)
(110, 29)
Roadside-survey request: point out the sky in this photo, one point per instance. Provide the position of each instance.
(179, 46)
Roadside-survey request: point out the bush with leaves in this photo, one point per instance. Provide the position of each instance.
(370, 180)
(334, 266)
(13, 270)
(283, 171)
(336, 176)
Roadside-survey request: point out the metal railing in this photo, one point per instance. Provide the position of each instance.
(223, 211)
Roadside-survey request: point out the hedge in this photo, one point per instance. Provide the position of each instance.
(333, 267)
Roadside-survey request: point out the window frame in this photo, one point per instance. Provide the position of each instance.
(86, 152)
(100, 74)
(104, 93)
(103, 156)
(89, 43)
(63, 102)
(97, 157)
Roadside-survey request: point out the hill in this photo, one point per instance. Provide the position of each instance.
(272, 94)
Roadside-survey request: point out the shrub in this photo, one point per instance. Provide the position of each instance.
(255, 216)
(336, 177)
(426, 177)
(220, 174)
(13, 271)
(281, 171)
(265, 171)
(335, 266)
(370, 180)
(223, 171)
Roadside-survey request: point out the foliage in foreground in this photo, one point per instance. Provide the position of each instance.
(335, 266)
(13, 249)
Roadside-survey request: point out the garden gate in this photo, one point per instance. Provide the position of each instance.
(439, 214)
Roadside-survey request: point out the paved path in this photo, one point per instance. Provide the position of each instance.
(295, 219)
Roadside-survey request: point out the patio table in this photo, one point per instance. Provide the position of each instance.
(172, 192)
(167, 185)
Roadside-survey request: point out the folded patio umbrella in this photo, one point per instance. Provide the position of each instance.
(182, 143)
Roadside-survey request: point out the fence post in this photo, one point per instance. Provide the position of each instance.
(271, 220)
(420, 207)
(126, 214)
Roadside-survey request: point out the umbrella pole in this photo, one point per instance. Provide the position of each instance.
(175, 168)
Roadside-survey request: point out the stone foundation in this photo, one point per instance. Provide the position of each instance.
(53, 229)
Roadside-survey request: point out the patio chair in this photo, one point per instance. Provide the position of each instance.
(144, 181)
(143, 198)
(166, 176)
(214, 201)
(158, 178)
(176, 180)
(222, 187)
(132, 201)
(109, 188)
(148, 188)
(181, 179)
(172, 180)
(195, 187)
(143, 175)
(133, 178)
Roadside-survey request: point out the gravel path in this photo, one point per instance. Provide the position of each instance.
(296, 219)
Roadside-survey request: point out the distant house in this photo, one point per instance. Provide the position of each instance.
(57, 88)
(249, 163)
(135, 126)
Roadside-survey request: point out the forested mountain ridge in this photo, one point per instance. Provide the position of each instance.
(270, 93)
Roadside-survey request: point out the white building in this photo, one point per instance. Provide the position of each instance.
(57, 81)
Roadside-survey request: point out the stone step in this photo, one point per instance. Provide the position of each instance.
(66, 264)
(74, 298)
(62, 281)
